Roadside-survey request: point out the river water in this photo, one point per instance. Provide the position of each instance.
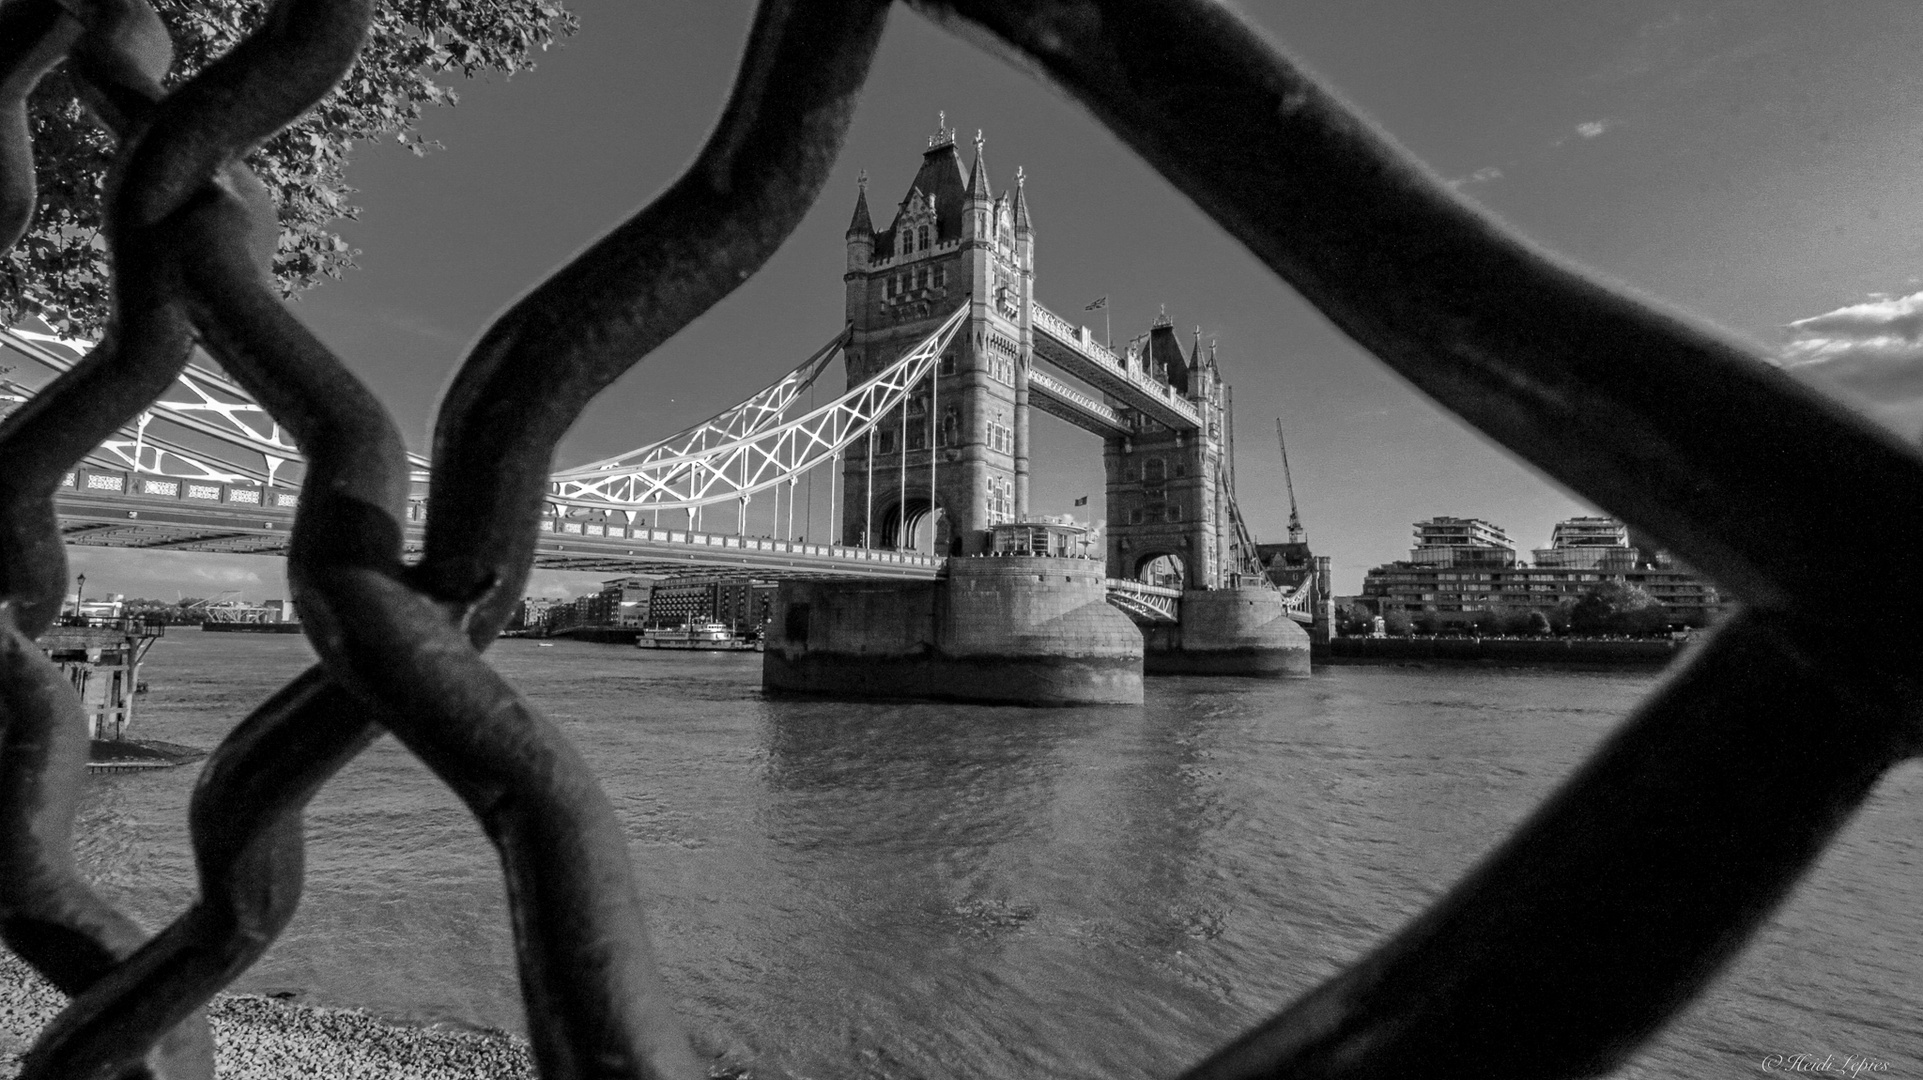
(911, 890)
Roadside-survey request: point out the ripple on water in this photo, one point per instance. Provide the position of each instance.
(914, 890)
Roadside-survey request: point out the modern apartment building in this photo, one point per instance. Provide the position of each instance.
(1582, 543)
(1460, 567)
(1450, 541)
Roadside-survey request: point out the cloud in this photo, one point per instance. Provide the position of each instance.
(166, 575)
(1880, 317)
(1589, 129)
(1486, 174)
(1871, 351)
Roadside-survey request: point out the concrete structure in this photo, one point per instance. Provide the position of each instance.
(1024, 629)
(1233, 631)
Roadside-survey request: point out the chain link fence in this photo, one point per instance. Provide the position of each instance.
(1601, 917)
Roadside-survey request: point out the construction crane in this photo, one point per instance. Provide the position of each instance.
(1297, 534)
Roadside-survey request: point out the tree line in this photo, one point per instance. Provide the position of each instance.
(1608, 608)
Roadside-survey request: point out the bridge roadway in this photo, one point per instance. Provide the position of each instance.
(97, 510)
(100, 508)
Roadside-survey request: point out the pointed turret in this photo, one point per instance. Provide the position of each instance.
(862, 224)
(861, 230)
(1022, 227)
(978, 175)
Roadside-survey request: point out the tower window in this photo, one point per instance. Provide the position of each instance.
(921, 237)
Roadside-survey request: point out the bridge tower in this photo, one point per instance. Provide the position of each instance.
(952, 242)
(1169, 490)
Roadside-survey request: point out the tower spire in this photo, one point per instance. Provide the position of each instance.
(978, 175)
(944, 135)
(861, 224)
(1022, 227)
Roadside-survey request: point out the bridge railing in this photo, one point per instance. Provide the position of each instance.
(124, 483)
(1098, 409)
(691, 538)
(1150, 602)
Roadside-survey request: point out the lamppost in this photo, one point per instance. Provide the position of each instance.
(79, 591)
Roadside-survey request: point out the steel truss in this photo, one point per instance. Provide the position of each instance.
(201, 401)
(751, 447)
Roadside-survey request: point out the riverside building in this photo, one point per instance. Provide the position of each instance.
(1463, 566)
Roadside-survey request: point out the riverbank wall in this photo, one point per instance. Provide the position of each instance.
(1027, 630)
(600, 635)
(1602, 652)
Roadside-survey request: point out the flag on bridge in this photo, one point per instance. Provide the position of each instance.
(1083, 501)
(1097, 305)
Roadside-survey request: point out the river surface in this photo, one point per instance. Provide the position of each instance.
(910, 890)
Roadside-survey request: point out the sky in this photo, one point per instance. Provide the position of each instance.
(1752, 161)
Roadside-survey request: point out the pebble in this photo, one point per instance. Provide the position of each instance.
(260, 1038)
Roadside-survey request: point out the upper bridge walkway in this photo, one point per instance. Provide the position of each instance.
(1075, 350)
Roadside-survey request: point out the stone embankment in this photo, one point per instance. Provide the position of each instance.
(1612, 652)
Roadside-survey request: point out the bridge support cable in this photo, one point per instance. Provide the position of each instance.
(767, 408)
(1250, 562)
(934, 451)
(901, 498)
(708, 464)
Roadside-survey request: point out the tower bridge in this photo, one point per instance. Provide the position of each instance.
(925, 451)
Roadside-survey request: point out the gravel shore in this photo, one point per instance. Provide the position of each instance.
(260, 1038)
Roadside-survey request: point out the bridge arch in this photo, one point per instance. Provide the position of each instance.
(1161, 566)
(907, 526)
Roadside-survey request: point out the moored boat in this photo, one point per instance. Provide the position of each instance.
(706, 634)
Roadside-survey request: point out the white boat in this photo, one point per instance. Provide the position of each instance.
(706, 634)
